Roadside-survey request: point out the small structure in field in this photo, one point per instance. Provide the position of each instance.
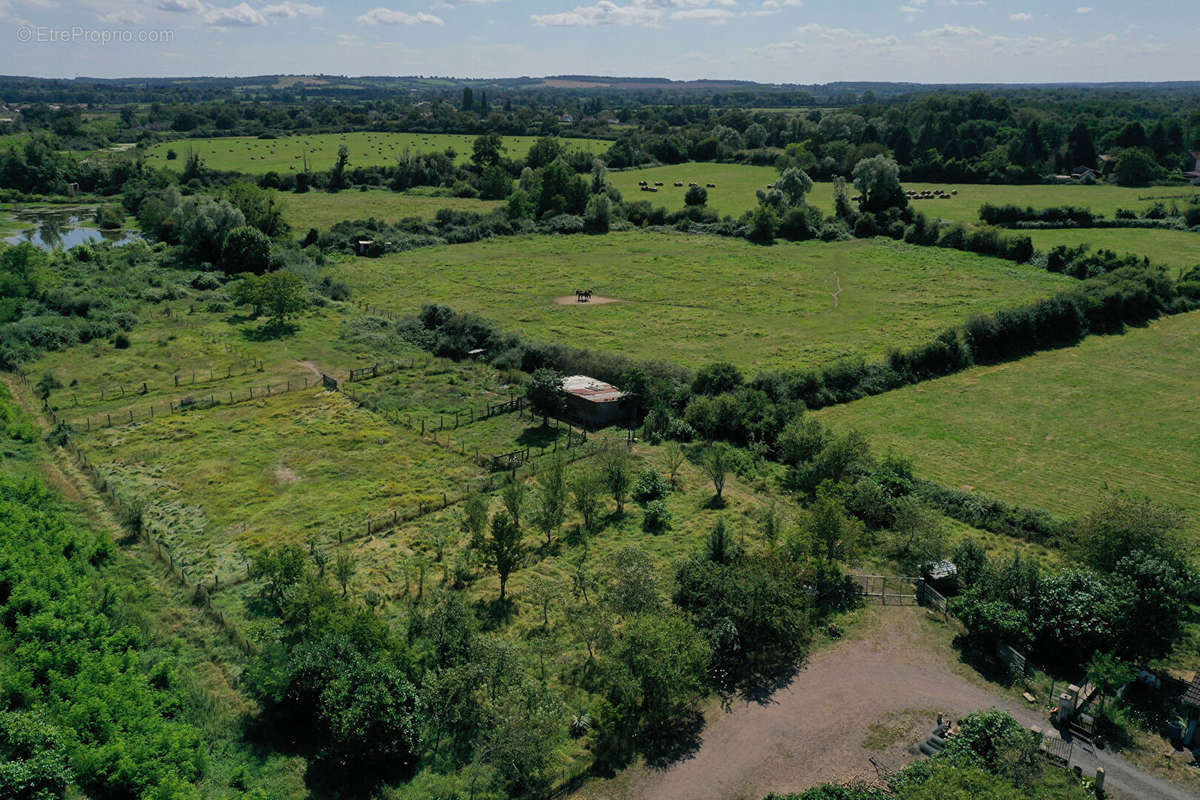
(1191, 702)
(594, 403)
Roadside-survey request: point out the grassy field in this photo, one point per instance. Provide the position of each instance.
(321, 210)
(210, 352)
(256, 156)
(1055, 429)
(734, 194)
(306, 465)
(737, 184)
(696, 299)
(964, 207)
(1179, 249)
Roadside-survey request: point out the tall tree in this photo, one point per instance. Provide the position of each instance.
(504, 549)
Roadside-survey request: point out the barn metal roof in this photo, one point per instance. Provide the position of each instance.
(590, 389)
(1192, 696)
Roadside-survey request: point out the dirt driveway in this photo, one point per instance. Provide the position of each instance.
(883, 687)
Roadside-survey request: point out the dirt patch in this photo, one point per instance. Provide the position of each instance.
(597, 300)
(311, 367)
(285, 475)
(869, 696)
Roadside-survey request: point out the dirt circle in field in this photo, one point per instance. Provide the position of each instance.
(597, 300)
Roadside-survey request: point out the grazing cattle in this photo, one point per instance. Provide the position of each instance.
(679, 183)
(658, 183)
(712, 186)
(954, 192)
(693, 185)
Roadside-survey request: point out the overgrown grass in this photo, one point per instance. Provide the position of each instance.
(1058, 428)
(286, 154)
(229, 481)
(697, 299)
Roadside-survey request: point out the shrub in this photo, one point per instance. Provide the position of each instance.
(121, 341)
(657, 517)
(651, 485)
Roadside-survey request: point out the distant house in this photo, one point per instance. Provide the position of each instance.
(1080, 172)
(567, 119)
(596, 404)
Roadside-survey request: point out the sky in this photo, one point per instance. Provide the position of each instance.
(774, 41)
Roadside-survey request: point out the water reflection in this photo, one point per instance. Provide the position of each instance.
(52, 229)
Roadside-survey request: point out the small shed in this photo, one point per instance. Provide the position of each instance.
(943, 576)
(594, 403)
(1191, 702)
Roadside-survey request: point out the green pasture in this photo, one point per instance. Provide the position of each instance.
(698, 299)
(322, 210)
(964, 207)
(738, 183)
(306, 465)
(211, 352)
(1057, 429)
(733, 195)
(286, 154)
(1179, 249)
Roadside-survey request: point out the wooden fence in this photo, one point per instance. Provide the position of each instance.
(128, 416)
(179, 379)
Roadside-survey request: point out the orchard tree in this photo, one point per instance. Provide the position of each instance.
(552, 500)
(586, 489)
(716, 463)
(618, 476)
(504, 549)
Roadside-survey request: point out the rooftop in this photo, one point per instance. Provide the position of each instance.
(591, 389)
(1192, 696)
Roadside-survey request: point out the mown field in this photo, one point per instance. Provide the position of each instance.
(698, 299)
(1056, 429)
(256, 156)
(733, 195)
(321, 210)
(737, 184)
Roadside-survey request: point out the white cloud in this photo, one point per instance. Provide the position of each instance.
(951, 32)
(771, 6)
(968, 2)
(1084, 10)
(1020, 17)
(386, 16)
(714, 15)
(126, 16)
(603, 13)
(241, 15)
(180, 6)
(645, 13)
(290, 10)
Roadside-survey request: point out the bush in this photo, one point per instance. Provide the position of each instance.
(651, 485)
(121, 341)
(657, 517)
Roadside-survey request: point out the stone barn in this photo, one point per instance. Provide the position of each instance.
(596, 404)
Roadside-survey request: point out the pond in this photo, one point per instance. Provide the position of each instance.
(55, 228)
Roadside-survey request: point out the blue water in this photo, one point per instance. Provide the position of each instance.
(53, 230)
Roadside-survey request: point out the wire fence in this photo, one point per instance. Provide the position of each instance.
(203, 376)
(130, 416)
